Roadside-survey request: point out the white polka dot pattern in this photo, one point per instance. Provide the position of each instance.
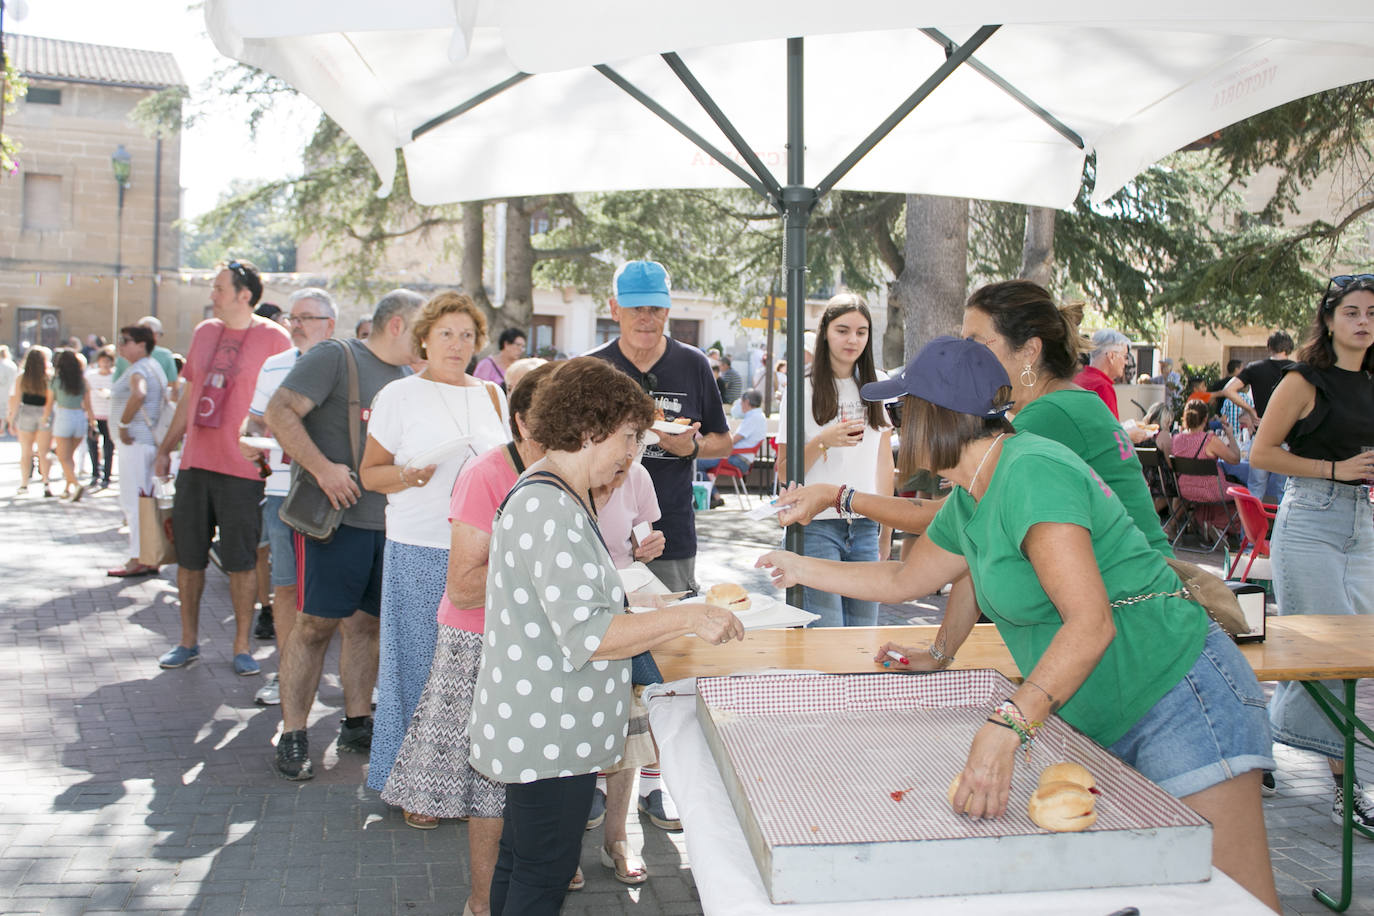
(546, 708)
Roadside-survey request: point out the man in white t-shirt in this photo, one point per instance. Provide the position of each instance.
(311, 315)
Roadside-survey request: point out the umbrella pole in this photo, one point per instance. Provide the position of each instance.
(797, 203)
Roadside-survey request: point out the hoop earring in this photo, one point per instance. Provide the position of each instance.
(1028, 371)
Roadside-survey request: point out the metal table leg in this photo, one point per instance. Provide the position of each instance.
(1343, 716)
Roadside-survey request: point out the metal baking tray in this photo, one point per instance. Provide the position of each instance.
(839, 782)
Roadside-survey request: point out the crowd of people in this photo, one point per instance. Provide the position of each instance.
(483, 512)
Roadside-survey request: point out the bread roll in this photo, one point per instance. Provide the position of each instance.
(1064, 807)
(954, 788)
(1068, 772)
(728, 595)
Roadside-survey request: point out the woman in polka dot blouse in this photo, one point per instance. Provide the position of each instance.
(553, 691)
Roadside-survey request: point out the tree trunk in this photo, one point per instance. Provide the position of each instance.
(474, 256)
(927, 298)
(518, 309)
(1037, 250)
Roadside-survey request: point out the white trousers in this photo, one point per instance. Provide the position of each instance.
(135, 479)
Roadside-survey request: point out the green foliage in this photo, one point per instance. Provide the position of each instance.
(251, 221)
(15, 86)
(722, 244)
(163, 114)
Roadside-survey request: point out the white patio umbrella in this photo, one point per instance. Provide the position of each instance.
(523, 97)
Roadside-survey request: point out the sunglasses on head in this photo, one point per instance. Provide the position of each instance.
(1340, 284)
(237, 268)
(648, 381)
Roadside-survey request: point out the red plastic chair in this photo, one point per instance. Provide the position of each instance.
(1254, 520)
(728, 470)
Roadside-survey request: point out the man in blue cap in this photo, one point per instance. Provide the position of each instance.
(678, 378)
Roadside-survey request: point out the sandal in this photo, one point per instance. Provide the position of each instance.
(578, 880)
(420, 821)
(124, 572)
(629, 868)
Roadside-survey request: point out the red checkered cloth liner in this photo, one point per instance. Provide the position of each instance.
(819, 756)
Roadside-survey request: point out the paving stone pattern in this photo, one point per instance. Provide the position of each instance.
(133, 789)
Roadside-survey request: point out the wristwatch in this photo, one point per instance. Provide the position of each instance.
(696, 448)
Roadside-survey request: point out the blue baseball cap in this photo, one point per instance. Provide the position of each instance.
(950, 372)
(642, 284)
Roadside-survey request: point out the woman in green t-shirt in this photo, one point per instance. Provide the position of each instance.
(1089, 610)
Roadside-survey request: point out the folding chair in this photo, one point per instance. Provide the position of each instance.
(736, 477)
(1255, 522)
(1205, 470)
(1160, 479)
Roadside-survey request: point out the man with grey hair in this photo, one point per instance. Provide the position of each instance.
(1107, 362)
(310, 316)
(340, 581)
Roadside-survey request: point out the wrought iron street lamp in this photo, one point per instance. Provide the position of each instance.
(121, 163)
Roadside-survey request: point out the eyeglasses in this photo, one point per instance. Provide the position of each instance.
(302, 319)
(1340, 284)
(237, 268)
(124, 340)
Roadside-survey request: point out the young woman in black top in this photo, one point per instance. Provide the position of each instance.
(1323, 541)
(29, 417)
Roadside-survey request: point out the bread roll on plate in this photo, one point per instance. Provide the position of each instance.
(728, 595)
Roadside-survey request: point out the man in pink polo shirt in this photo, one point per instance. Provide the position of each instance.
(216, 486)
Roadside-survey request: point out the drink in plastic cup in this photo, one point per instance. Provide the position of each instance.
(851, 412)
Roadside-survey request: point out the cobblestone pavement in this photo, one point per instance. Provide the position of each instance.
(130, 788)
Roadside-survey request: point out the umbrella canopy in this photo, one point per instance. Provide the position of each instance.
(1128, 81)
(996, 99)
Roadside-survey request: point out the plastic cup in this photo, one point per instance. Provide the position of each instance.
(850, 413)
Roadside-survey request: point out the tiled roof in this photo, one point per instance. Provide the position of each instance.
(49, 58)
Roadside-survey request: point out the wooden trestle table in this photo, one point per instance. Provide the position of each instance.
(1308, 649)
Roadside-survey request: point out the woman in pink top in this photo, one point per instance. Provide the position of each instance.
(431, 773)
(1196, 442)
(510, 346)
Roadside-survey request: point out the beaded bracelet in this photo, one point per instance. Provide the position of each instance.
(839, 499)
(1010, 714)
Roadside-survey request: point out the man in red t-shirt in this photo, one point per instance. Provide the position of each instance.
(216, 486)
(1108, 360)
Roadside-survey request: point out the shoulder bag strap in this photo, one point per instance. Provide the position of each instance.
(495, 400)
(355, 414)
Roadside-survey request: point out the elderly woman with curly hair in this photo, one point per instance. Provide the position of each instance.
(422, 431)
(553, 690)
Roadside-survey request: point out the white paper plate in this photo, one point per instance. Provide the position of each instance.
(266, 443)
(440, 453)
(671, 429)
(637, 578)
(767, 613)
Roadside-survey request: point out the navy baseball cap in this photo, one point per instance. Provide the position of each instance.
(951, 372)
(642, 284)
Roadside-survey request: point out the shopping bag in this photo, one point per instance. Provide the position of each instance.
(155, 547)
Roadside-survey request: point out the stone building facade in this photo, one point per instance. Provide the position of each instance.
(63, 237)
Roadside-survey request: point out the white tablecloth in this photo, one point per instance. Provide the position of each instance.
(729, 882)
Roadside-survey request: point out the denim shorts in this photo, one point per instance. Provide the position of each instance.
(69, 423)
(29, 419)
(281, 546)
(1210, 727)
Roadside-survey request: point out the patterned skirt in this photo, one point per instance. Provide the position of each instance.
(413, 581)
(431, 774)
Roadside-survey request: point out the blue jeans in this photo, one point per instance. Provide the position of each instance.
(1261, 482)
(853, 542)
(1322, 554)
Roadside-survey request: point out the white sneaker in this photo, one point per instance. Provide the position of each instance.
(374, 697)
(269, 694)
